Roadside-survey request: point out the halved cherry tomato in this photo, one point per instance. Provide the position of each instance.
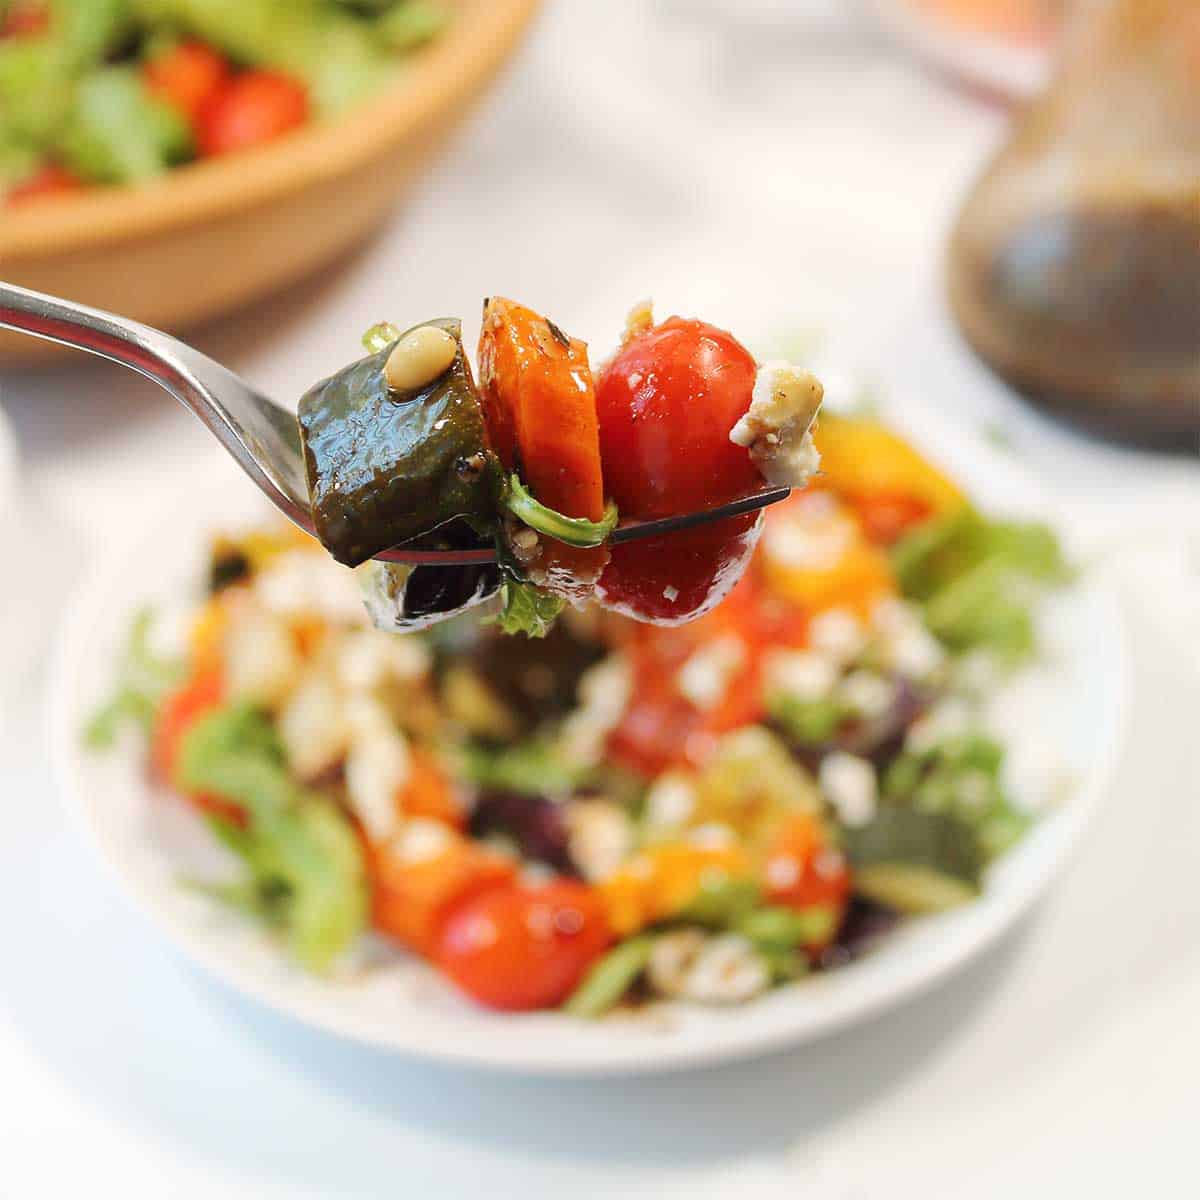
(188, 76)
(802, 870)
(680, 576)
(51, 180)
(178, 713)
(410, 900)
(666, 404)
(540, 405)
(520, 948)
(252, 108)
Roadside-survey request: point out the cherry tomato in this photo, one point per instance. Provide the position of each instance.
(661, 727)
(23, 19)
(680, 576)
(252, 108)
(887, 516)
(188, 76)
(523, 948)
(666, 404)
(802, 870)
(50, 181)
(178, 713)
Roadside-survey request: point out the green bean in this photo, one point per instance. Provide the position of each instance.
(610, 978)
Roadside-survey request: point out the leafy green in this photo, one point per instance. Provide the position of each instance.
(808, 721)
(574, 531)
(335, 52)
(974, 578)
(775, 927)
(143, 679)
(960, 776)
(307, 874)
(528, 609)
(610, 978)
(721, 903)
(380, 336)
(412, 23)
(117, 132)
(534, 768)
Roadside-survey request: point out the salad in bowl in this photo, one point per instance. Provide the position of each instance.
(620, 815)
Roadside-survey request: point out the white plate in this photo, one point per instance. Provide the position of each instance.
(1074, 706)
(1003, 66)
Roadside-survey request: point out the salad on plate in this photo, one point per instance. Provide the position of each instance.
(620, 812)
(96, 92)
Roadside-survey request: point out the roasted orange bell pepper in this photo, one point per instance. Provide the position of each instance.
(861, 459)
(540, 406)
(411, 899)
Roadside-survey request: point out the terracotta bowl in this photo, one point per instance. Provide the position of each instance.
(214, 235)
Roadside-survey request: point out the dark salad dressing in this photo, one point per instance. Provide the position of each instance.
(1095, 313)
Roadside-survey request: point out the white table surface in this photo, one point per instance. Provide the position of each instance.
(635, 145)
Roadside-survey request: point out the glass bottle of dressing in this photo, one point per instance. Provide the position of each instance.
(1074, 271)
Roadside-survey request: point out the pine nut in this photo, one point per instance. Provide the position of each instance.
(419, 357)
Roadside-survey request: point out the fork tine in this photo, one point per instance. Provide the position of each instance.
(627, 531)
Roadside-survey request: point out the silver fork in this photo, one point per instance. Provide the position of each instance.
(260, 436)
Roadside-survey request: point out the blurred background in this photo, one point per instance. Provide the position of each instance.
(910, 188)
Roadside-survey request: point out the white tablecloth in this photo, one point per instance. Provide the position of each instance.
(636, 146)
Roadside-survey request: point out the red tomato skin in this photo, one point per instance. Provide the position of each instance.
(518, 948)
(188, 76)
(23, 19)
(252, 108)
(678, 577)
(666, 404)
(50, 181)
(886, 517)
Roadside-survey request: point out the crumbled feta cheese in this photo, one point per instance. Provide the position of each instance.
(916, 653)
(314, 735)
(260, 659)
(712, 835)
(670, 801)
(599, 837)
(705, 676)
(804, 547)
(804, 674)
(302, 582)
(727, 970)
(978, 672)
(421, 839)
(377, 766)
(906, 646)
(603, 693)
(867, 693)
(775, 428)
(838, 633)
(671, 960)
(851, 786)
(949, 718)
(367, 659)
